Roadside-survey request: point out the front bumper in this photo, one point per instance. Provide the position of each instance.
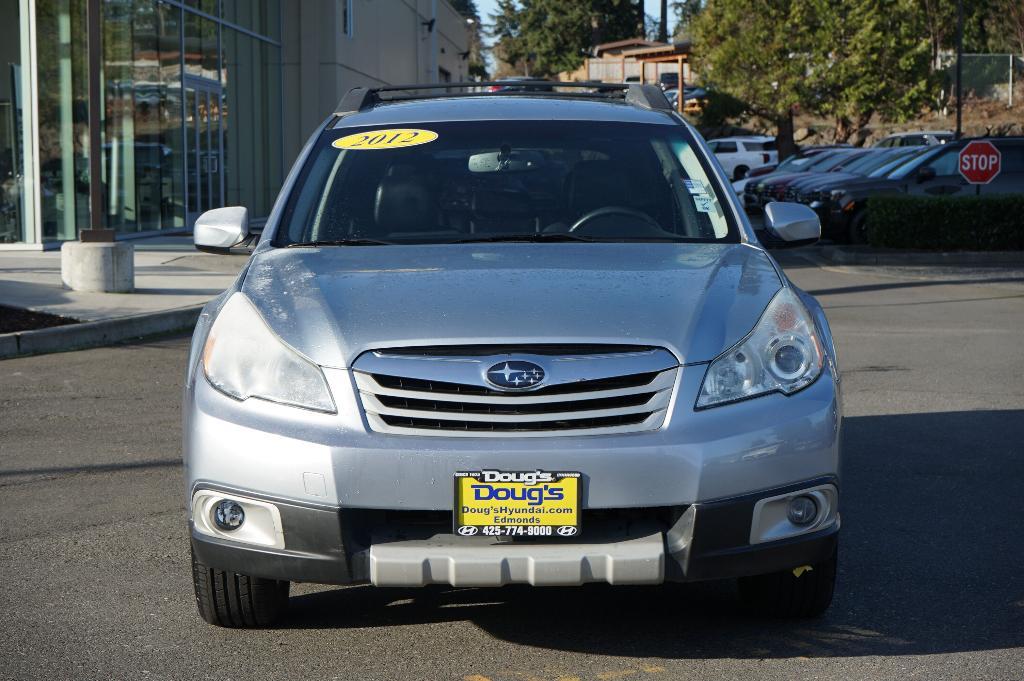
(676, 503)
(335, 460)
(703, 541)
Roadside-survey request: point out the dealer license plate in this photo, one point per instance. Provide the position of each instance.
(517, 503)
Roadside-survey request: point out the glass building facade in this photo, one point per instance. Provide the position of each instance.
(191, 114)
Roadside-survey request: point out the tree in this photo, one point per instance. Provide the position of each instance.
(756, 52)
(939, 18)
(853, 42)
(549, 36)
(685, 12)
(477, 65)
(663, 23)
(1008, 18)
(846, 59)
(510, 47)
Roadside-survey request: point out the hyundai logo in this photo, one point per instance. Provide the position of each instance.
(567, 531)
(515, 375)
(468, 530)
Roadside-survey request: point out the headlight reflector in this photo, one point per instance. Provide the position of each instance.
(782, 354)
(244, 358)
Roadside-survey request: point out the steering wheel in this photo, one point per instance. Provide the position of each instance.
(581, 223)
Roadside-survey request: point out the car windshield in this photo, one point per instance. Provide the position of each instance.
(826, 161)
(870, 161)
(841, 161)
(896, 160)
(793, 163)
(907, 167)
(460, 182)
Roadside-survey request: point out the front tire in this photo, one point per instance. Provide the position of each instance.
(740, 172)
(858, 235)
(801, 592)
(228, 599)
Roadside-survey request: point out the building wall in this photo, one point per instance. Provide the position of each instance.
(204, 103)
(387, 45)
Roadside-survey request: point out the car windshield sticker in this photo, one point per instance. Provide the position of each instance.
(695, 186)
(704, 203)
(395, 138)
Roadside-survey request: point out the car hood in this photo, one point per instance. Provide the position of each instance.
(820, 180)
(772, 179)
(334, 303)
(869, 185)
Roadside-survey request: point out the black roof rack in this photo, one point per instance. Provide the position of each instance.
(647, 96)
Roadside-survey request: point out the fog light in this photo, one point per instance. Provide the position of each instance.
(802, 510)
(228, 515)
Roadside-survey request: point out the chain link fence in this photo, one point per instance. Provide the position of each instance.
(994, 77)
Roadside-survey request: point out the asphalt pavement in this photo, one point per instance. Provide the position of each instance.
(94, 572)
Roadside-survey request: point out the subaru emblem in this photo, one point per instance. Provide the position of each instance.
(515, 375)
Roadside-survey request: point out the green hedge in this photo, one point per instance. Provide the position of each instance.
(946, 223)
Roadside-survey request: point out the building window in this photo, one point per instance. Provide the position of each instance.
(346, 17)
(15, 144)
(444, 75)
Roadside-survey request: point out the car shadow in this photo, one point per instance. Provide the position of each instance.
(929, 563)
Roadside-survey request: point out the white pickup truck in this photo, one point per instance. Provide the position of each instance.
(739, 154)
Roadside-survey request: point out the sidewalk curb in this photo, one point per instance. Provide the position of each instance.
(97, 334)
(839, 255)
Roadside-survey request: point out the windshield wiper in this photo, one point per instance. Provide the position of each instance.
(541, 237)
(341, 242)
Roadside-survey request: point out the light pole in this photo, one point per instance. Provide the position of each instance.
(96, 231)
(959, 67)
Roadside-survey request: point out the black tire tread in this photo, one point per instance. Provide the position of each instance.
(228, 599)
(782, 594)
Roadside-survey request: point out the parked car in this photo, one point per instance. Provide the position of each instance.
(668, 81)
(695, 98)
(510, 339)
(739, 154)
(802, 157)
(853, 165)
(772, 187)
(916, 139)
(739, 185)
(814, 190)
(521, 84)
(933, 172)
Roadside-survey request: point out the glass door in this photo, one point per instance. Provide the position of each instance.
(204, 147)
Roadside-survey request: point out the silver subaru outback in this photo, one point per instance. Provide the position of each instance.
(520, 337)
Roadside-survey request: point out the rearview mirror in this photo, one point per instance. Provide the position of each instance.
(925, 173)
(789, 225)
(506, 161)
(221, 229)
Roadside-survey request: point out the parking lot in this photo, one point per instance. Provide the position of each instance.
(94, 548)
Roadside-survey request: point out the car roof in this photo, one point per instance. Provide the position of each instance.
(499, 107)
(908, 133)
(744, 138)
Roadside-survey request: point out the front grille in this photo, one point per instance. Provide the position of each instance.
(513, 409)
(630, 401)
(443, 388)
(515, 427)
(537, 349)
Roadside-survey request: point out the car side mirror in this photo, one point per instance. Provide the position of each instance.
(221, 229)
(925, 173)
(788, 225)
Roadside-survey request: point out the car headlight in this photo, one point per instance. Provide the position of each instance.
(782, 354)
(243, 358)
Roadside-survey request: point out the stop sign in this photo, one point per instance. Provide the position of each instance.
(980, 162)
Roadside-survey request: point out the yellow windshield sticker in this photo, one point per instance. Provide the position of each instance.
(385, 139)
